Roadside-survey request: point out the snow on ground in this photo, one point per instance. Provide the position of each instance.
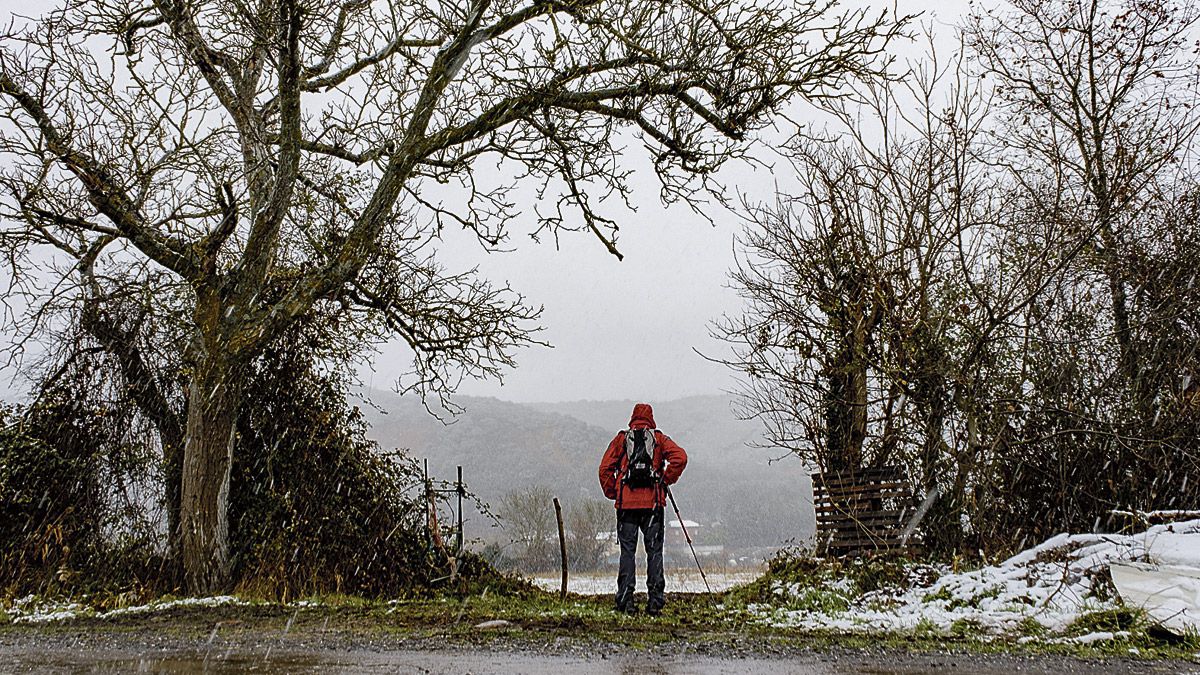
(678, 581)
(31, 609)
(1053, 584)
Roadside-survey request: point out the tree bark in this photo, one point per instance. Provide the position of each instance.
(846, 402)
(214, 396)
(1127, 355)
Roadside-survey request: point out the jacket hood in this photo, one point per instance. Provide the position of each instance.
(643, 417)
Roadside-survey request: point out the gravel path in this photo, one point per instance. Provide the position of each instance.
(224, 659)
(179, 645)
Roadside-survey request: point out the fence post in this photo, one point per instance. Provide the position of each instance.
(562, 549)
(459, 489)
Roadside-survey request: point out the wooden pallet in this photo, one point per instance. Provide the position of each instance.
(863, 511)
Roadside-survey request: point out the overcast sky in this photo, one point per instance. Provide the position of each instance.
(627, 330)
(620, 330)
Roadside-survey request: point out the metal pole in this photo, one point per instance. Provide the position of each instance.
(459, 487)
(687, 536)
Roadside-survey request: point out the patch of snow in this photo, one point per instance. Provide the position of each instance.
(73, 612)
(161, 606)
(33, 610)
(1099, 636)
(1052, 584)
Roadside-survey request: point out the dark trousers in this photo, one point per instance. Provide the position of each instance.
(650, 523)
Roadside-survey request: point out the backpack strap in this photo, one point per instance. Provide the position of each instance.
(620, 481)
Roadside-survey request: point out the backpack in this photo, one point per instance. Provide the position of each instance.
(639, 448)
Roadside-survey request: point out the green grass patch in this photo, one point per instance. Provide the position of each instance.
(1109, 620)
(1031, 627)
(816, 583)
(926, 629)
(966, 628)
(817, 599)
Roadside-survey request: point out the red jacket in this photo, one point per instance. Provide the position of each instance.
(669, 461)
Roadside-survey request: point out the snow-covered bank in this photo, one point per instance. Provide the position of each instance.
(1050, 585)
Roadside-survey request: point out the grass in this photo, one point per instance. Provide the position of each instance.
(538, 620)
(974, 601)
(827, 582)
(1109, 620)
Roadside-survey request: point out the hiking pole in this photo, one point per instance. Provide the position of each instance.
(687, 536)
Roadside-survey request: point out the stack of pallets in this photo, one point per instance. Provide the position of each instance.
(863, 511)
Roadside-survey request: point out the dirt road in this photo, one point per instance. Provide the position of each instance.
(98, 649)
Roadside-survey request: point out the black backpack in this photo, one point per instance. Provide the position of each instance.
(639, 448)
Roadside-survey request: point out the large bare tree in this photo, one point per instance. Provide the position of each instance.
(271, 155)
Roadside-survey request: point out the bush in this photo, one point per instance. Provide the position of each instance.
(315, 506)
(69, 519)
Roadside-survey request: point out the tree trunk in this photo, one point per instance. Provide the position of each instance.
(214, 396)
(846, 404)
(173, 496)
(1128, 360)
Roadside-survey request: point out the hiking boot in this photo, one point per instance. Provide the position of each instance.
(654, 610)
(627, 609)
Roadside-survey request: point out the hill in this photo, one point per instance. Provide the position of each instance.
(503, 445)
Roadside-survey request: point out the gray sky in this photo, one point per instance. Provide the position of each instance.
(620, 330)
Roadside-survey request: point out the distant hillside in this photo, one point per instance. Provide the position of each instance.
(504, 445)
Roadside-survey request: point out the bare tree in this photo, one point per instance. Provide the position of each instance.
(528, 517)
(1100, 99)
(993, 263)
(859, 282)
(588, 522)
(888, 297)
(274, 155)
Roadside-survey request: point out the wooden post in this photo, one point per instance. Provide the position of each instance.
(562, 549)
(458, 547)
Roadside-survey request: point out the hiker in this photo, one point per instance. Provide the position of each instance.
(635, 468)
